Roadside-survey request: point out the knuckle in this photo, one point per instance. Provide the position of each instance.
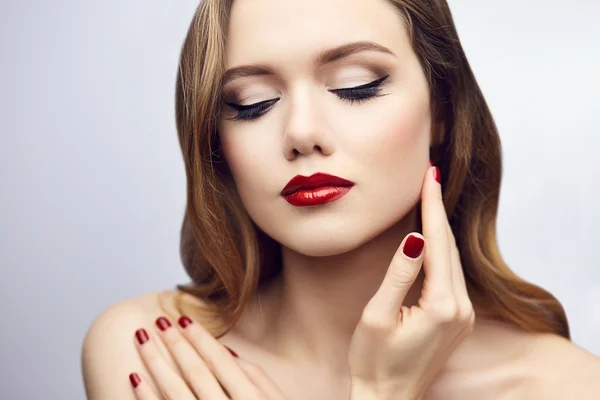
(401, 277)
(177, 345)
(465, 313)
(446, 313)
(171, 340)
(374, 322)
(153, 357)
(196, 374)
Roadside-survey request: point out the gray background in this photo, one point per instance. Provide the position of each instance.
(92, 181)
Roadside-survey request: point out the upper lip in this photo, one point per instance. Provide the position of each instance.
(317, 180)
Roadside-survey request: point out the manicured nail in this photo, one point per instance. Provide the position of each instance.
(413, 246)
(233, 353)
(134, 379)
(184, 321)
(163, 323)
(142, 336)
(436, 174)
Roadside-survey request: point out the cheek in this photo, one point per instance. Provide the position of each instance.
(396, 136)
(233, 155)
(247, 161)
(391, 151)
(402, 137)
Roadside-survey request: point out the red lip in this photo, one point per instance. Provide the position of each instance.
(316, 189)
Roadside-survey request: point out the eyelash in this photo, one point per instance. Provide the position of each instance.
(356, 94)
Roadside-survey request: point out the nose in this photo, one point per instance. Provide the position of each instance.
(305, 131)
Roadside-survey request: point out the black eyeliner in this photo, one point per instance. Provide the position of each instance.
(356, 94)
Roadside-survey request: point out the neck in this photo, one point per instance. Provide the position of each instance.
(315, 304)
(308, 314)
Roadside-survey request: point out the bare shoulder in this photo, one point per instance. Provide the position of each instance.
(563, 370)
(108, 352)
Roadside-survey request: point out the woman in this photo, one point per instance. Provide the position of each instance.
(323, 288)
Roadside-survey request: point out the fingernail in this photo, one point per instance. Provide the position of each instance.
(184, 321)
(431, 163)
(233, 353)
(163, 323)
(142, 336)
(436, 174)
(413, 246)
(134, 379)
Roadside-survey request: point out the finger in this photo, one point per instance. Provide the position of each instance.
(261, 380)
(458, 277)
(191, 365)
(169, 383)
(141, 388)
(384, 306)
(436, 263)
(219, 360)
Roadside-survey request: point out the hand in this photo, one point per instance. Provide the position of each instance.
(210, 370)
(396, 351)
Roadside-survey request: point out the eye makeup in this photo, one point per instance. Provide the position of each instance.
(355, 94)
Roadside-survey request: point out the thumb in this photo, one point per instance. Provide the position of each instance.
(400, 276)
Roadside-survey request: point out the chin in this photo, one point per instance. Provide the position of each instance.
(325, 239)
(327, 233)
(321, 245)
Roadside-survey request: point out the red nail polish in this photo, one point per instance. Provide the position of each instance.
(184, 321)
(413, 246)
(431, 163)
(134, 379)
(142, 336)
(437, 175)
(233, 353)
(163, 323)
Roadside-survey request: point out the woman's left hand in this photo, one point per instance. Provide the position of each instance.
(209, 371)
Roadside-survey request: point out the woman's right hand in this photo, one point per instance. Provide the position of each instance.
(396, 351)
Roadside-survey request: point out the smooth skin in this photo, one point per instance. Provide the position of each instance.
(395, 352)
(215, 375)
(335, 256)
(399, 349)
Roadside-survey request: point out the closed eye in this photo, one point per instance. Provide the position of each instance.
(354, 94)
(361, 93)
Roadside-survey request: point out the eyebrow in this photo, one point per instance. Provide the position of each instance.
(325, 57)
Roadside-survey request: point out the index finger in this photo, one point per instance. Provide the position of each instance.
(436, 262)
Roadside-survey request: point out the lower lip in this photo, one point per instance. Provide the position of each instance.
(315, 197)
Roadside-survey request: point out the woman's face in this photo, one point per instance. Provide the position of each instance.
(380, 143)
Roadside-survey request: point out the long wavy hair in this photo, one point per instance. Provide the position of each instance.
(229, 258)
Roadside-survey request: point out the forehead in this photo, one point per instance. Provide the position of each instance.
(295, 31)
